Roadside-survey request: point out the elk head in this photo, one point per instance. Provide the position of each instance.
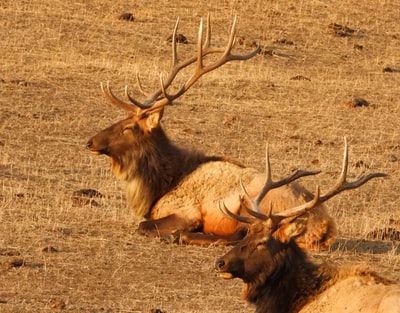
(269, 245)
(142, 155)
(141, 129)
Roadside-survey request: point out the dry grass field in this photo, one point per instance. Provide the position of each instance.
(57, 253)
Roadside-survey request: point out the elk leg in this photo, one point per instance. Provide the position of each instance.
(178, 230)
(198, 238)
(166, 226)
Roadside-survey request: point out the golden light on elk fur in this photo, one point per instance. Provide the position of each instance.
(176, 190)
(279, 278)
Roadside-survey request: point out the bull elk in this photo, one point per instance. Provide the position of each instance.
(176, 190)
(279, 278)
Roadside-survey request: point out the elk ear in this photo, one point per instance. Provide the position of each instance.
(153, 119)
(291, 230)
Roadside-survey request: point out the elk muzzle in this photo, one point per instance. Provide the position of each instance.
(221, 267)
(89, 146)
(96, 149)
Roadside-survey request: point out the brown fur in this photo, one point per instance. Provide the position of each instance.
(178, 190)
(146, 161)
(279, 277)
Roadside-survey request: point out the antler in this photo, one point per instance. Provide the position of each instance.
(268, 185)
(160, 97)
(341, 185)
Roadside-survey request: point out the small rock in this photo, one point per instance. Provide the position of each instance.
(89, 193)
(388, 69)
(358, 47)
(340, 30)
(356, 102)
(57, 304)
(49, 249)
(83, 197)
(179, 38)
(16, 262)
(300, 77)
(284, 41)
(127, 17)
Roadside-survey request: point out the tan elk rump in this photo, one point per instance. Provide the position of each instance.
(176, 190)
(279, 278)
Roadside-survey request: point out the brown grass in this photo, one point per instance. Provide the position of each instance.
(55, 254)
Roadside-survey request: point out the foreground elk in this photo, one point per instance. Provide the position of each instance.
(279, 278)
(177, 190)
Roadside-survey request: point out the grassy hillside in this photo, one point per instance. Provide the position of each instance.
(300, 96)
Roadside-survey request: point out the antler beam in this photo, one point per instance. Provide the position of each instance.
(158, 99)
(268, 185)
(341, 185)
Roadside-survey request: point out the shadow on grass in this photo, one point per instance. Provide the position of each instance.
(366, 246)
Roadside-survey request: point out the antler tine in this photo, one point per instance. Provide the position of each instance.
(231, 40)
(200, 45)
(231, 44)
(204, 49)
(152, 98)
(255, 211)
(160, 98)
(174, 53)
(113, 99)
(163, 89)
(268, 175)
(144, 93)
(300, 209)
(207, 41)
(342, 184)
(270, 184)
(239, 218)
(133, 100)
(276, 184)
(198, 58)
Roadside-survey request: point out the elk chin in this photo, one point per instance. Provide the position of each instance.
(226, 275)
(95, 152)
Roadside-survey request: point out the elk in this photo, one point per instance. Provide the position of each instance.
(175, 190)
(277, 274)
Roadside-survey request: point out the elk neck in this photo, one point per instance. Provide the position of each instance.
(153, 166)
(290, 286)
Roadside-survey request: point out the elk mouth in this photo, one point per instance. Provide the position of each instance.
(95, 152)
(89, 146)
(104, 151)
(220, 266)
(226, 275)
(98, 152)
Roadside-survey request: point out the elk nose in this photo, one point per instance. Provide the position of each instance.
(89, 144)
(219, 264)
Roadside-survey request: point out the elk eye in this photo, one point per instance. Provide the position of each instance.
(126, 131)
(261, 244)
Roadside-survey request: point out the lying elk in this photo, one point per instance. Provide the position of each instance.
(176, 190)
(278, 276)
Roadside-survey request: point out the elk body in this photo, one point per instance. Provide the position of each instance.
(176, 190)
(278, 276)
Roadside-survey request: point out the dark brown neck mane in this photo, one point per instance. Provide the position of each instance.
(290, 286)
(153, 166)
